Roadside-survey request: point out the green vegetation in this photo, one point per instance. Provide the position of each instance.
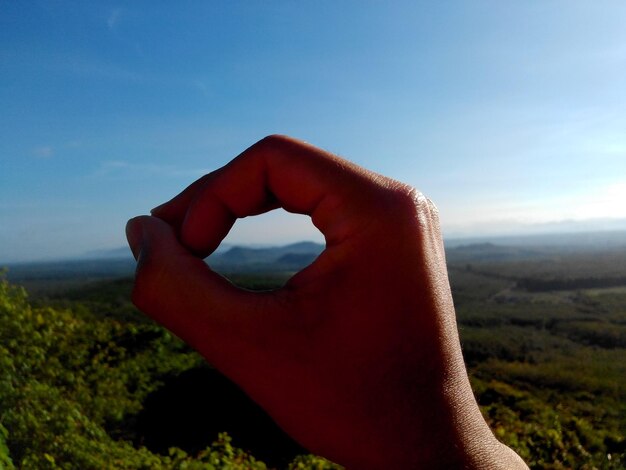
(5, 459)
(86, 381)
(548, 366)
(73, 383)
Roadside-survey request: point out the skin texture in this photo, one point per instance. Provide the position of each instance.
(357, 357)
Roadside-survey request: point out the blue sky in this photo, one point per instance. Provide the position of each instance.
(511, 116)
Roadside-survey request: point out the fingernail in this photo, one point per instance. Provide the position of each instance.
(134, 235)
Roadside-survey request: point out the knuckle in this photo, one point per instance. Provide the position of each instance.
(407, 201)
(432, 207)
(273, 140)
(405, 196)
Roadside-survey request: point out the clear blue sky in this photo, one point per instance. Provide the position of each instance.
(509, 115)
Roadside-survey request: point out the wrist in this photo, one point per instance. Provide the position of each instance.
(468, 443)
(458, 435)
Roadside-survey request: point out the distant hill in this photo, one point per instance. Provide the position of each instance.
(532, 247)
(566, 241)
(491, 252)
(121, 252)
(124, 252)
(118, 262)
(279, 258)
(49, 276)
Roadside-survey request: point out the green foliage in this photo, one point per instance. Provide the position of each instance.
(312, 462)
(557, 264)
(548, 369)
(594, 332)
(548, 431)
(509, 343)
(65, 379)
(5, 459)
(69, 380)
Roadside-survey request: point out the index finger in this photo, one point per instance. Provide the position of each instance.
(275, 172)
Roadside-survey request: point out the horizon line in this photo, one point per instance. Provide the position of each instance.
(107, 253)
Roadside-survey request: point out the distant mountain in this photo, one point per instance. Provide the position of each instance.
(118, 262)
(566, 241)
(518, 230)
(124, 252)
(297, 260)
(48, 276)
(485, 247)
(490, 252)
(532, 247)
(226, 258)
(277, 258)
(114, 253)
(237, 258)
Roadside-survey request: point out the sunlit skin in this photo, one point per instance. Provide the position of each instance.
(357, 357)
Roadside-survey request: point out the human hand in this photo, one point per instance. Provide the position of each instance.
(357, 357)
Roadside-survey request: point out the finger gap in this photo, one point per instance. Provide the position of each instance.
(262, 252)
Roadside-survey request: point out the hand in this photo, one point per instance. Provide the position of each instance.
(357, 357)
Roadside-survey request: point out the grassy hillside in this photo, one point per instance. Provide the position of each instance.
(88, 382)
(83, 390)
(548, 367)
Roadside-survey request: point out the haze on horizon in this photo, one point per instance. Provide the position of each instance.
(510, 116)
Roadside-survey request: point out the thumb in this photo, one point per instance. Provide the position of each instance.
(180, 291)
(134, 235)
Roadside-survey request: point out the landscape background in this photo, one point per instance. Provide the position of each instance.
(88, 381)
(508, 115)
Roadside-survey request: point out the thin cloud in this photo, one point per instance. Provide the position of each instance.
(98, 69)
(201, 87)
(124, 169)
(40, 204)
(45, 151)
(48, 61)
(114, 18)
